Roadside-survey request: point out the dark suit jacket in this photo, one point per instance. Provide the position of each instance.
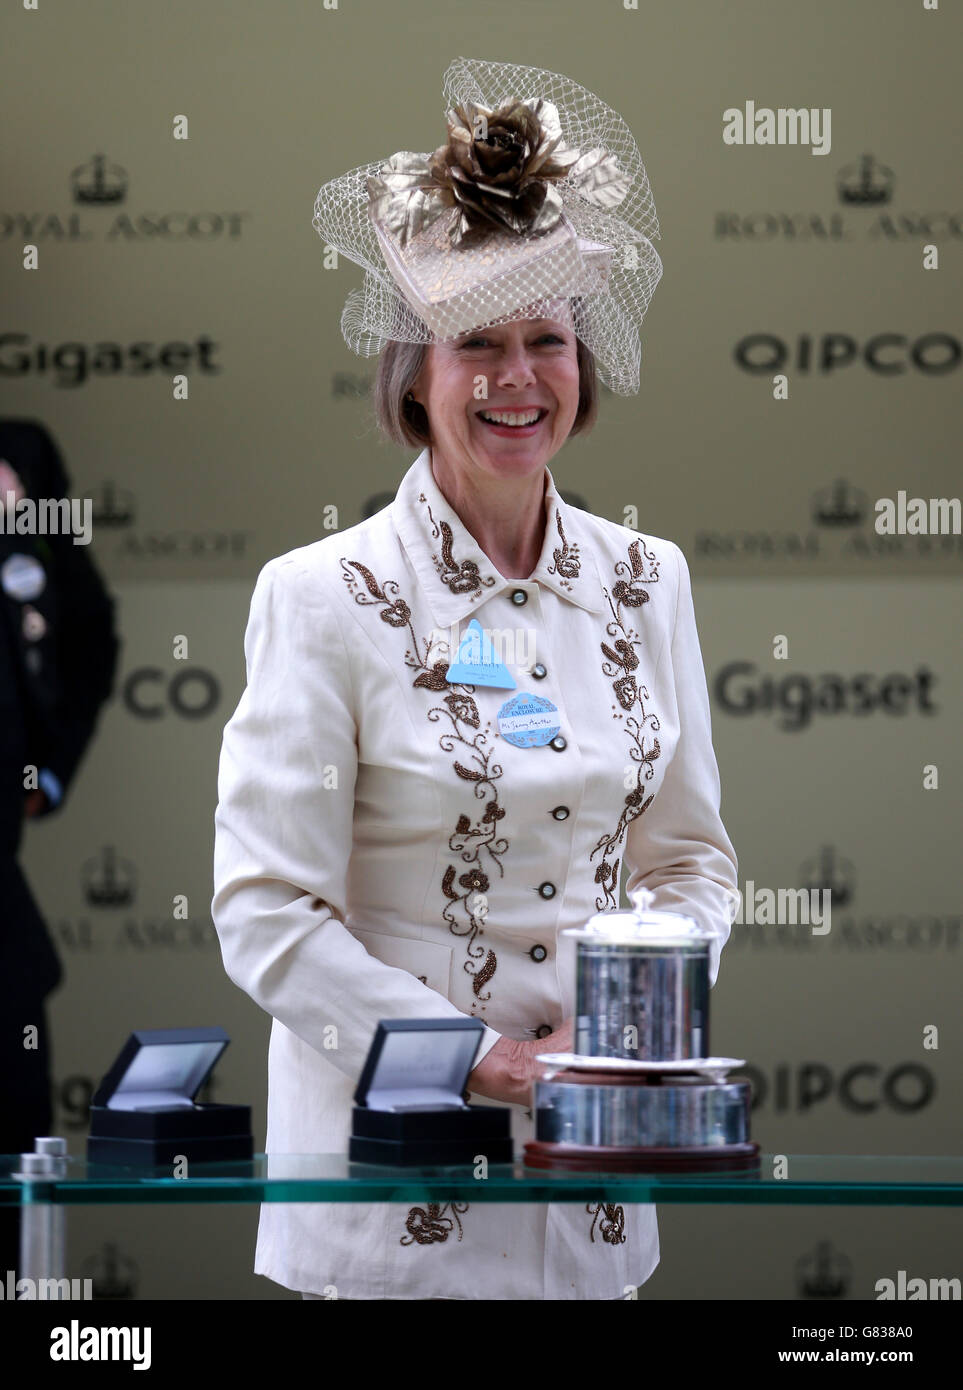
(51, 691)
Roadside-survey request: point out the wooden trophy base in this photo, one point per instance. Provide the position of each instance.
(579, 1158)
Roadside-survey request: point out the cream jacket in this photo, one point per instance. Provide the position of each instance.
(384, 851)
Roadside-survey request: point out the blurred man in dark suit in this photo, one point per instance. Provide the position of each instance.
(58, 656)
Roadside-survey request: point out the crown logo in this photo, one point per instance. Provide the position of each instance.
(108, 881)
(111, 1274)
(112, 506)
(865, 183)
(825, 872)
(823, 1273)
(99, 182)
(839, 505)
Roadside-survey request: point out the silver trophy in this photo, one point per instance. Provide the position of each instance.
(641, 1091)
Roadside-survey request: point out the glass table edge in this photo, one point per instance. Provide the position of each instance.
(504, 1183)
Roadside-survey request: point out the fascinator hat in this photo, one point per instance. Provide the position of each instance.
(538, 195)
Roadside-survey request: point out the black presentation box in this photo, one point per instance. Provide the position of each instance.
(144, 1114)
(409, 1108)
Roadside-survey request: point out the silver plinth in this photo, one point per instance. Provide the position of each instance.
(679, 1113)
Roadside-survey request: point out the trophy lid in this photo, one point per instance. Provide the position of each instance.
(641, 926)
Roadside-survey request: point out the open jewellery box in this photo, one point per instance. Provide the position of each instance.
(409, 1104)
(144, 1112)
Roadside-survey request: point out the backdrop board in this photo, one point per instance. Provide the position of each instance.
(802, 361)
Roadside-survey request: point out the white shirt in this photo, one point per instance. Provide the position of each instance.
(383, 851)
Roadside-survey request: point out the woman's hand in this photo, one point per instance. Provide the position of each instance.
(509, 1069)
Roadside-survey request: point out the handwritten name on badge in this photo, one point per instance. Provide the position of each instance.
(528, 721)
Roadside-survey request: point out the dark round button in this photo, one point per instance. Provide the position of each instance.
(561, 813)
(558, 743)
(538, 953)
(547, 890)
(539, 672)
(543, 1030)
(519, 596)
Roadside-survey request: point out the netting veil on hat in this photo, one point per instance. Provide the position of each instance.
(539, 195)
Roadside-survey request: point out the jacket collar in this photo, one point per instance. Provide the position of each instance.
(456, 573)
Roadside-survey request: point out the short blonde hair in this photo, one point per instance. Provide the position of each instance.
(405, 422)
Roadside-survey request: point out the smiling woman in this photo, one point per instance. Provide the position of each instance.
(490, 460)
(403, 419)
(399, 836)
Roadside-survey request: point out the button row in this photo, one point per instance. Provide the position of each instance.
(538, 671)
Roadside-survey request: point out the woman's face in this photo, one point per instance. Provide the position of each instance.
(527, 366)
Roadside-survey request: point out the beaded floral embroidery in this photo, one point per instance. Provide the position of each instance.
(464, 578)
(475, 839)
(620, 664)
(469, 838)
(428, 1224)
(610, 1221)
(566, 557)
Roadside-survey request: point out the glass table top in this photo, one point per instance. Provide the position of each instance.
(848, 1179)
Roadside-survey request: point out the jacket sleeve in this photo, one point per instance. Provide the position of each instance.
(678, 848)
(86, 638)
(283, 833)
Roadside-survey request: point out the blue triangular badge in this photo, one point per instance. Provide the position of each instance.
(475, 663)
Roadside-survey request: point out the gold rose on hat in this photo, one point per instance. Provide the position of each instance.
(498, 169)
(539, 194)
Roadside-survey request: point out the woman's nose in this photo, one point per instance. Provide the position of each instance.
(516, 366)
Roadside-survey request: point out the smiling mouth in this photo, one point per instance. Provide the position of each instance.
(513, 422)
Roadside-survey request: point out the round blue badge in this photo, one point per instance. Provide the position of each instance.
(23, 577)
(528, 721)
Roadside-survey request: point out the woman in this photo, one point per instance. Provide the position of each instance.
(393, 840)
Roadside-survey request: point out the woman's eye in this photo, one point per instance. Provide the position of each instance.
(545, 337)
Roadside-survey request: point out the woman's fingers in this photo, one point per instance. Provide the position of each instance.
(562, 1040)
